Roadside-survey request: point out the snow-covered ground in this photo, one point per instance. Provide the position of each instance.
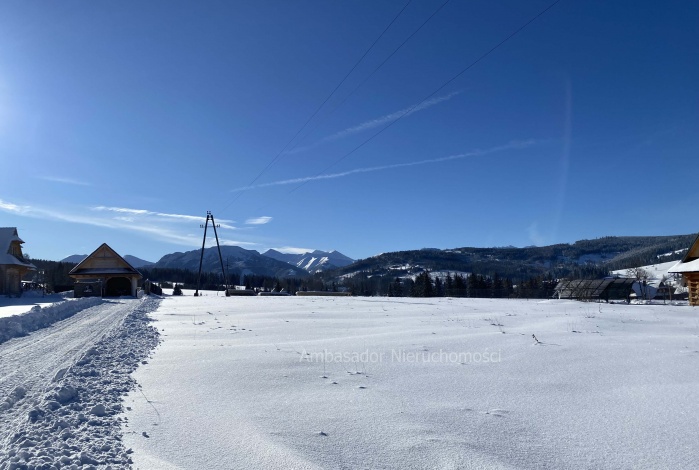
(61, 386)
(655, 271)
(317, 382)
(314, 382)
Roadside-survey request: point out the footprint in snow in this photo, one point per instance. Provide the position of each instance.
(497, 412)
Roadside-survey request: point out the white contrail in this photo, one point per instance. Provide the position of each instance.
(378, 121)
(473, 153)
(58, 179)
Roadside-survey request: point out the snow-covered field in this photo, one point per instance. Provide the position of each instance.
(269, 382)
(337, 382)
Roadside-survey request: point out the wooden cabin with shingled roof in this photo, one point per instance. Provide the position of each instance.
(105, 273)
(689, 268)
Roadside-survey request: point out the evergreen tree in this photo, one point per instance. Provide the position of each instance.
(425, 286)
(508, 288)
(472, 285)
(438, 288)
(497, 286)
(397, 288)
(460, 286)
(415, 288)
(408, 286)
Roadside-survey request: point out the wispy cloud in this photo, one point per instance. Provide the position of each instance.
(58, 179)
(474, 153)
(229, 242)
(154, 225)
(174, 217)
(14, 208)
(380, 121)
(294, 250)
(259, 220)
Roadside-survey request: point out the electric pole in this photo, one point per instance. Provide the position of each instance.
(210, 216)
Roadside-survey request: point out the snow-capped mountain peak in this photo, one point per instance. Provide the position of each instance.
(312, 262)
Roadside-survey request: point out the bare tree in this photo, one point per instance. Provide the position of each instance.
(665, 285)
(641, 276)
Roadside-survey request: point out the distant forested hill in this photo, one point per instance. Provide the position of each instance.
(584, 258)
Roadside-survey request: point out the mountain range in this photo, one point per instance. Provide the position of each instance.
(242, 261)
(313, 262)
(132, 260)
(582, 258)
(236, 260)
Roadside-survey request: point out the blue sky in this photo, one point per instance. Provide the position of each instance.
(124, 122)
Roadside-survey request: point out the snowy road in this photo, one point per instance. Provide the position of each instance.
(33, 361)
(50, 376)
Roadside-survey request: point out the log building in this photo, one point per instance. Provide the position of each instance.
(689, 268)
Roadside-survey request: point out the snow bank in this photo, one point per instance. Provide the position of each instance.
(10, 306)
(76, 422)
(38, 317)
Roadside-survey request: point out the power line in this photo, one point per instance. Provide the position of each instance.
(373, 72)
(440, 88)
(276, 157)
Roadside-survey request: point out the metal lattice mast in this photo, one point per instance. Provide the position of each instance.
(220, 258)
(201, 256)
(210, 216)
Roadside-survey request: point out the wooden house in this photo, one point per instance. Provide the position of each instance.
(13, 266)
(689, 268)
(105, 273)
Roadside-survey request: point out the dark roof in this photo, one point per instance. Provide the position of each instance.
(122, 267)
(8, 235)
(616, 289)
